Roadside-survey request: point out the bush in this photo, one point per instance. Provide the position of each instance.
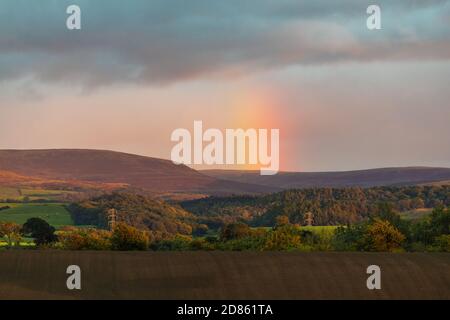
(12, 232)
(281, 221)
(175, 243)
(125, 237)
(285, 237)
(200, 230)
(235, 231)
(437, 224)
(250, 243)
(381, 235)
(201, 244)
(323, 240)
(443, 242)
(85, 239)
(349, 238)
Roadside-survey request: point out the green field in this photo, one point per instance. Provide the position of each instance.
(416, 213)
(54, 213)
(315, 229)
(19, 194)
(24, 243)
(319, 229)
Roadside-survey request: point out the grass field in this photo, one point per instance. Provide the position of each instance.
(24, 243)
(319, 229)
(36, 274)
(416, 213)
(20, 194)
(314, 229)
(54, 213)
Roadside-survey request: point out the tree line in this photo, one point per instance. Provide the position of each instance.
(386, 232)
(330, 206)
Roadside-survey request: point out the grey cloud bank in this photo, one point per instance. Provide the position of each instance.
(161, 42)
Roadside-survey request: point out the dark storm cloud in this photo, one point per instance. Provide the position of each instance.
(166, 41)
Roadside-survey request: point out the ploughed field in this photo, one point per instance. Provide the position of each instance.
(33, 274)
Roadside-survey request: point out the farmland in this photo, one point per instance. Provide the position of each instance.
(319, 229)
(416, 213)
(222, 275)
(54, 213)
(20, 194)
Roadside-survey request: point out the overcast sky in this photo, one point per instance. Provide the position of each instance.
(342, 96)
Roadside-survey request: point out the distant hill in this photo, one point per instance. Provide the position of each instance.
(109, 167)
(358, 178)
(99, 169)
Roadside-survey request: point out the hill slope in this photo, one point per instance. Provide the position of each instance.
(100, 166)
(117, 169)
(357, 178)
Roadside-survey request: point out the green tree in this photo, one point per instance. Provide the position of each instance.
(443, 242)
(350, 237)
(431, 227)
(440, 221)
(234, 231)
(40, 230)
(200, 230)
(385, 211)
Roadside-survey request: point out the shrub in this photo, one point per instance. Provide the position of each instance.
(175, 243)
(381, 235)
(85, 239)
(443, 242)
(251, 243)
(427, 230)
(125, 237)
(285, 237)
(12, 232)
(200, 230)
(235, 231)
(323, 240)
(349, 238)
(201, 244)
(281, 221)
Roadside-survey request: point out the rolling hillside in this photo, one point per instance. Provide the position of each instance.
(357, 178)
(109, 170)
(109, 167)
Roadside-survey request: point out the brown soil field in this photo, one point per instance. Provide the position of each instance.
(222, 275)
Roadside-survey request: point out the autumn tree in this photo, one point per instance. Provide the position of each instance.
(381, 235)
(11, 232)
(85, 239)
(281, 221)
(235, 231)
(283, 238)
(126, 237)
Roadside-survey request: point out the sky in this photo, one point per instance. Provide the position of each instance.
(343, 97)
